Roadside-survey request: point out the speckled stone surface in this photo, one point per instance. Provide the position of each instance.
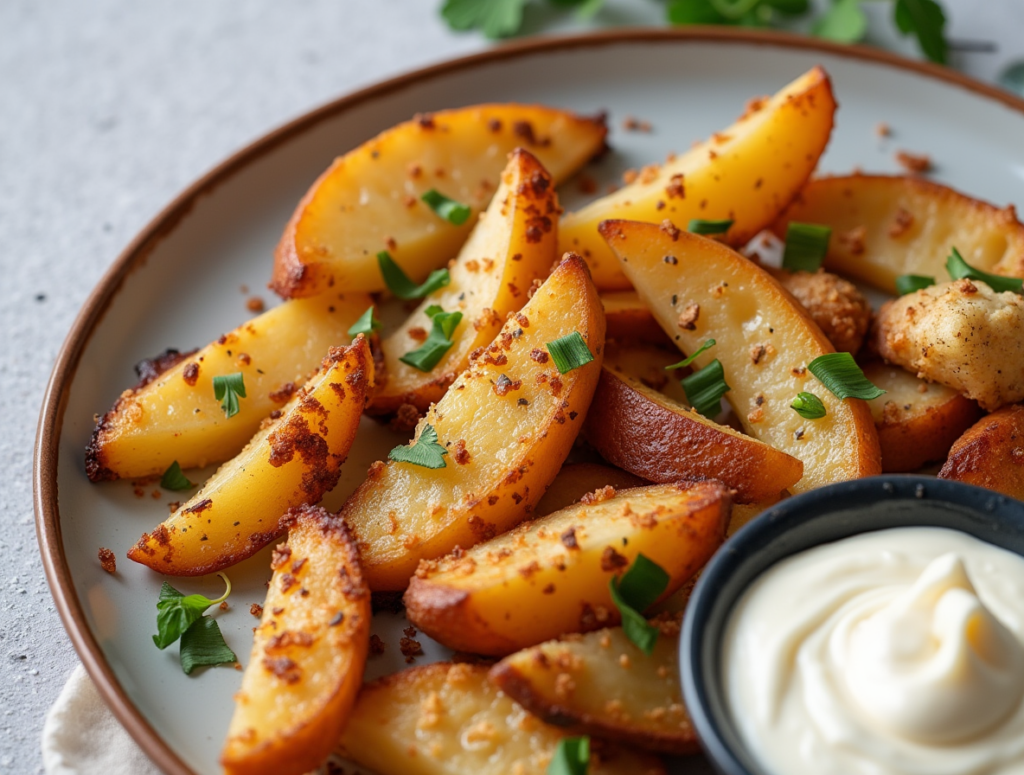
(108, 108)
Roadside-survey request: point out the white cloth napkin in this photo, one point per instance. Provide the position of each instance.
(82, 737)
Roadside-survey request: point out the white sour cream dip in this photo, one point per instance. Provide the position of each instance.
(897, 652)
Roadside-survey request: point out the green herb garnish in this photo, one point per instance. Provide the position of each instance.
(841, 375)
(689, 359)
(174, 479)
(704, 389)
(844, 22)
(203, 644)
(228, 389)
(634, 593)
(429, 354)
(424, 451)
(908, 283)
(454, 212)
(572, 757)
(808, 406)
(924, 20)
(366, 324)
(176, 612)
(569, 352)
(400, 285)
(700, 226)
(806, 246)
(958, 269)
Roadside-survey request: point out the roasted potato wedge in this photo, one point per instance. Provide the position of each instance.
(747, 173)
(742, 513)
(887, 226)
(646, 363)
(293, 460)
(602, 684)
(991, 453)
(512, 245)
(308, 653)
(448, 719)
(550, 576)
(765, 339)
(917, 421)
(575, 480)
(173, 414)
(628, 319)
(508, 423)
(369, 199)
(651, 435)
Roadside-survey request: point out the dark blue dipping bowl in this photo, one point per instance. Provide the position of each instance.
(817, 517)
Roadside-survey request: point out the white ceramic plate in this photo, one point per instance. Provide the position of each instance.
(178, 285)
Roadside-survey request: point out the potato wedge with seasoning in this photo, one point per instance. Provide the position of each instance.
(512, 245)
(698, 289)
(575, 480)
(628, 319)
(917, 421)
(662, 439)
(886, 226)
(747, 173)
(448, 719)
(173, 414)
(991, 453)
(369, 199)
(505, 427)
(602, 684)
(293, 460)
(308, 654)
(550, 577)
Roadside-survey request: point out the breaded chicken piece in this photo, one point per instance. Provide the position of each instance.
(839, 309)
(961, 334)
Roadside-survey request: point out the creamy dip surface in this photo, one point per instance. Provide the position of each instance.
(897, 652)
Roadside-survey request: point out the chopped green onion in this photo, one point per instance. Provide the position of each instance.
(429, 354)
(174, 479)
(228, 389)
(424, 451)
(454, 212)
(400, 285)
(908, 283)
(366, 324)
(841, 375)
(633, 594)
(569, 352)
(806, 246)
(808, 406)
(688, 360)
(700, 226)
(958, 269)
(704, 389)
(572, 757)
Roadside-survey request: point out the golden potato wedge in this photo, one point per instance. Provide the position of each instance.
(575, 480)
(512, 245)
(308, 653)
(747, 173)
(448, 719)
(292, 461)
(629, 319)
(991, 453)
(369, 199)
(651, 435)
(742, 513)
(508, 423)
(886, 226)
(917, 421)
(646, 363)
(175, 416)
(550, 577)
(765, 339)
(602, 684)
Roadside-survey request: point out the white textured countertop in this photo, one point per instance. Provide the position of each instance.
(108, 108)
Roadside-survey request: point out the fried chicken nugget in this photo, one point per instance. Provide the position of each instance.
(839, 309)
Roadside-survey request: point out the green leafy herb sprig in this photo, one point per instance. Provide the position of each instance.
(843, 21)
(425, 452)
(633, 593)
(228, 389)
(181, 616)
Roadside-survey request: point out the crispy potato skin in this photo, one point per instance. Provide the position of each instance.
(961, 334)
(508, 421)
(174, 415)
(840, 310)
(698, 289)
(448, 719)
(550, 577)
(293, 460)
(747, 173)
(369, 199)
(601, 684)
(886, 226)
(308, 653)
(575, 480)
(917, 421)
(991, 453)
(512, 246)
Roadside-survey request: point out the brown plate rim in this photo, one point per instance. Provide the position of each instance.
(55, 398)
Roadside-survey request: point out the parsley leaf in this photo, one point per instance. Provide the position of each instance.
(454, 212)
(925, 20)
(174, 479)
(429, 354)
(844, 21)
(203, 644)
(496, 18)
(633, 593)
(424, 451)
(366, 324)
(572, 757)
(228, 389)
(400, 285)
(175, 612)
